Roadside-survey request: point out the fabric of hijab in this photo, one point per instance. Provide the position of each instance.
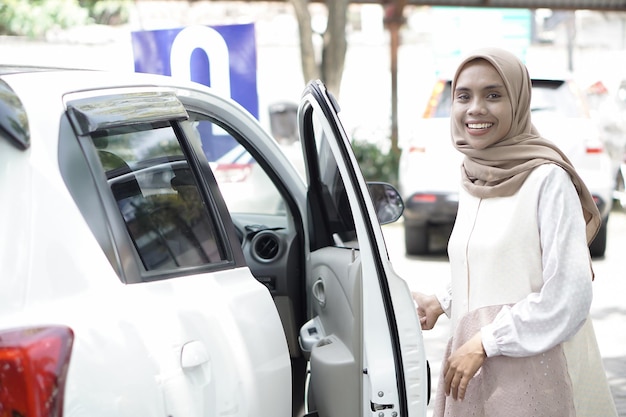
(499, 170)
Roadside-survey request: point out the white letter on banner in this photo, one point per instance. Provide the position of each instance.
(213, 44)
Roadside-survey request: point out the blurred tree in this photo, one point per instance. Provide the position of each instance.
(33, 18)
(334, 43)
(375, 164)
(334, 47)
(394, 20)
(107, 12)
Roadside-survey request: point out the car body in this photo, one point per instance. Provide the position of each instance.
(619, 195)
(129, 287)
(429, 168)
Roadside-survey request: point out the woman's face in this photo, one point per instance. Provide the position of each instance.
(481, 107)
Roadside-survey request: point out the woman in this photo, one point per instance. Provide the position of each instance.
(519, 299)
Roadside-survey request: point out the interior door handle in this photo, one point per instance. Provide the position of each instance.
(318, 292)
(193, 354)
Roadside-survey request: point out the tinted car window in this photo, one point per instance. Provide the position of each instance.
(158, 197)
(335, 197)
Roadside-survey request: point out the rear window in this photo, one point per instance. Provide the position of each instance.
(442, 108)
(556, 97)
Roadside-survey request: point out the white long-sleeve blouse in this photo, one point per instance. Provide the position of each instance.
(553, 313)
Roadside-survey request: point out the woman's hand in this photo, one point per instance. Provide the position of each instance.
(462, 365)
(428, 309)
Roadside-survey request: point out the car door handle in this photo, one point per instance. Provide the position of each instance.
(193, 354)
(318, 292)
(310, 334)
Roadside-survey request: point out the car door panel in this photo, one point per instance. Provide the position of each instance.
(371, 332)
(336, 356)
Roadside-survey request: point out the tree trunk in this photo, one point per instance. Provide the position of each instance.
(334, 45)
(310, 69)
(394, 19)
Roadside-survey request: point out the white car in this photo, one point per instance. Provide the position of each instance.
(429, 168)
(128, 288)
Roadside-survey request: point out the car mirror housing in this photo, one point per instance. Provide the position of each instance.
(387, 201)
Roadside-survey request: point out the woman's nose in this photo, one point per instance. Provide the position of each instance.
(477, 107)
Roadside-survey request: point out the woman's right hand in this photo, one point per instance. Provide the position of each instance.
(428, 309)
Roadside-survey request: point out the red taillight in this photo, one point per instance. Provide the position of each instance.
(33, 368)
(595, 149)
(424, 198)
(232, 172)
(417, 149)
(594, 146)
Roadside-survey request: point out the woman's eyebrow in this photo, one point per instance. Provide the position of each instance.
(493, 86)
(487, 87)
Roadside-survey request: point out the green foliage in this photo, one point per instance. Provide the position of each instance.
(376, 165)
(107, 12)
(34, 18)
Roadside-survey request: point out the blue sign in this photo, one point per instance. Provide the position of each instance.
(221, 57)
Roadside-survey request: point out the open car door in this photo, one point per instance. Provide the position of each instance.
(363, 341)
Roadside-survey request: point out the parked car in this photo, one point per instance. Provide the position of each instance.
(429, 168)
(128, 287)
(619, 194)
(239, 177)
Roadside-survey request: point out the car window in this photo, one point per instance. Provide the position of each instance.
(444, 102)
(555, 97)
(334, 196)
(158, 197)
(244, 184)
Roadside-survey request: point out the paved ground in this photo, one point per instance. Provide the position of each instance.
(616, 371)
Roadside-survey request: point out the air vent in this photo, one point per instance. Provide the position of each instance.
(265, 246)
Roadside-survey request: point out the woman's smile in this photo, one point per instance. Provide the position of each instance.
(479, 126)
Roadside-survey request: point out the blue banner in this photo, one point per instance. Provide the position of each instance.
(222, 57)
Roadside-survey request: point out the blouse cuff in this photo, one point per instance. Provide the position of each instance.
(445, 300)
(489, 341)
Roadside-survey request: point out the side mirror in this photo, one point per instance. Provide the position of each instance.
(387, 201)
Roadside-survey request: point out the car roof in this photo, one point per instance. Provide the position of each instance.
(17, 69)
(44, 87)
(60, 80)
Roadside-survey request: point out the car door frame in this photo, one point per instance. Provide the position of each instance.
(394, 374)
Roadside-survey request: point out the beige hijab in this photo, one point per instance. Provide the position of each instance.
(500, 169)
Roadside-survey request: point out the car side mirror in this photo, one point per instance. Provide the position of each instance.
(387, 201)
